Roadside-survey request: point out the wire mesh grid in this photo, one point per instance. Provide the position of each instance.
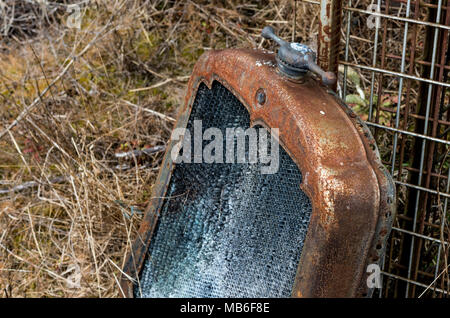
(394, 72)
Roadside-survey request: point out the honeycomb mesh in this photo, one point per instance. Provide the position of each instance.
(226, 230)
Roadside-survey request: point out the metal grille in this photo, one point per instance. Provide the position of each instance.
(395, 75)
(226, 230)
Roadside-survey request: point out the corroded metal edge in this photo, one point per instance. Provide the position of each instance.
(330, 19)
(351, 192)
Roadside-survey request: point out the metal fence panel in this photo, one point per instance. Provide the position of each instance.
(394, 67)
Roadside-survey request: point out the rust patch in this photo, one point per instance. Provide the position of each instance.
(329, 35)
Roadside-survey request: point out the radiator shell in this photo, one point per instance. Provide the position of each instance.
(352, 194)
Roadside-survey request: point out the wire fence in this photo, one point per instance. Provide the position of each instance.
(394, 71)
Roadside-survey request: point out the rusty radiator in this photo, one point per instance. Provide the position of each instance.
(394, 66)
(309, 228)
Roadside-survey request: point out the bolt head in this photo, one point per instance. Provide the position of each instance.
(260, 97)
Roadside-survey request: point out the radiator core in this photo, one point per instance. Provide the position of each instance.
(226, 230)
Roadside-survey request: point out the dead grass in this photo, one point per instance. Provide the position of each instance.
(70, 99)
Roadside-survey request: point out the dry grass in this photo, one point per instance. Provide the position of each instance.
(70, 99)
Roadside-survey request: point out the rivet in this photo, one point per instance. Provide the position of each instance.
(261, 96)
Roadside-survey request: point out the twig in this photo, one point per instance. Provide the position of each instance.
(429, 286)
(31, 184)
(168, 80)
(137, 152)
(153, 112)
(153, 86)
